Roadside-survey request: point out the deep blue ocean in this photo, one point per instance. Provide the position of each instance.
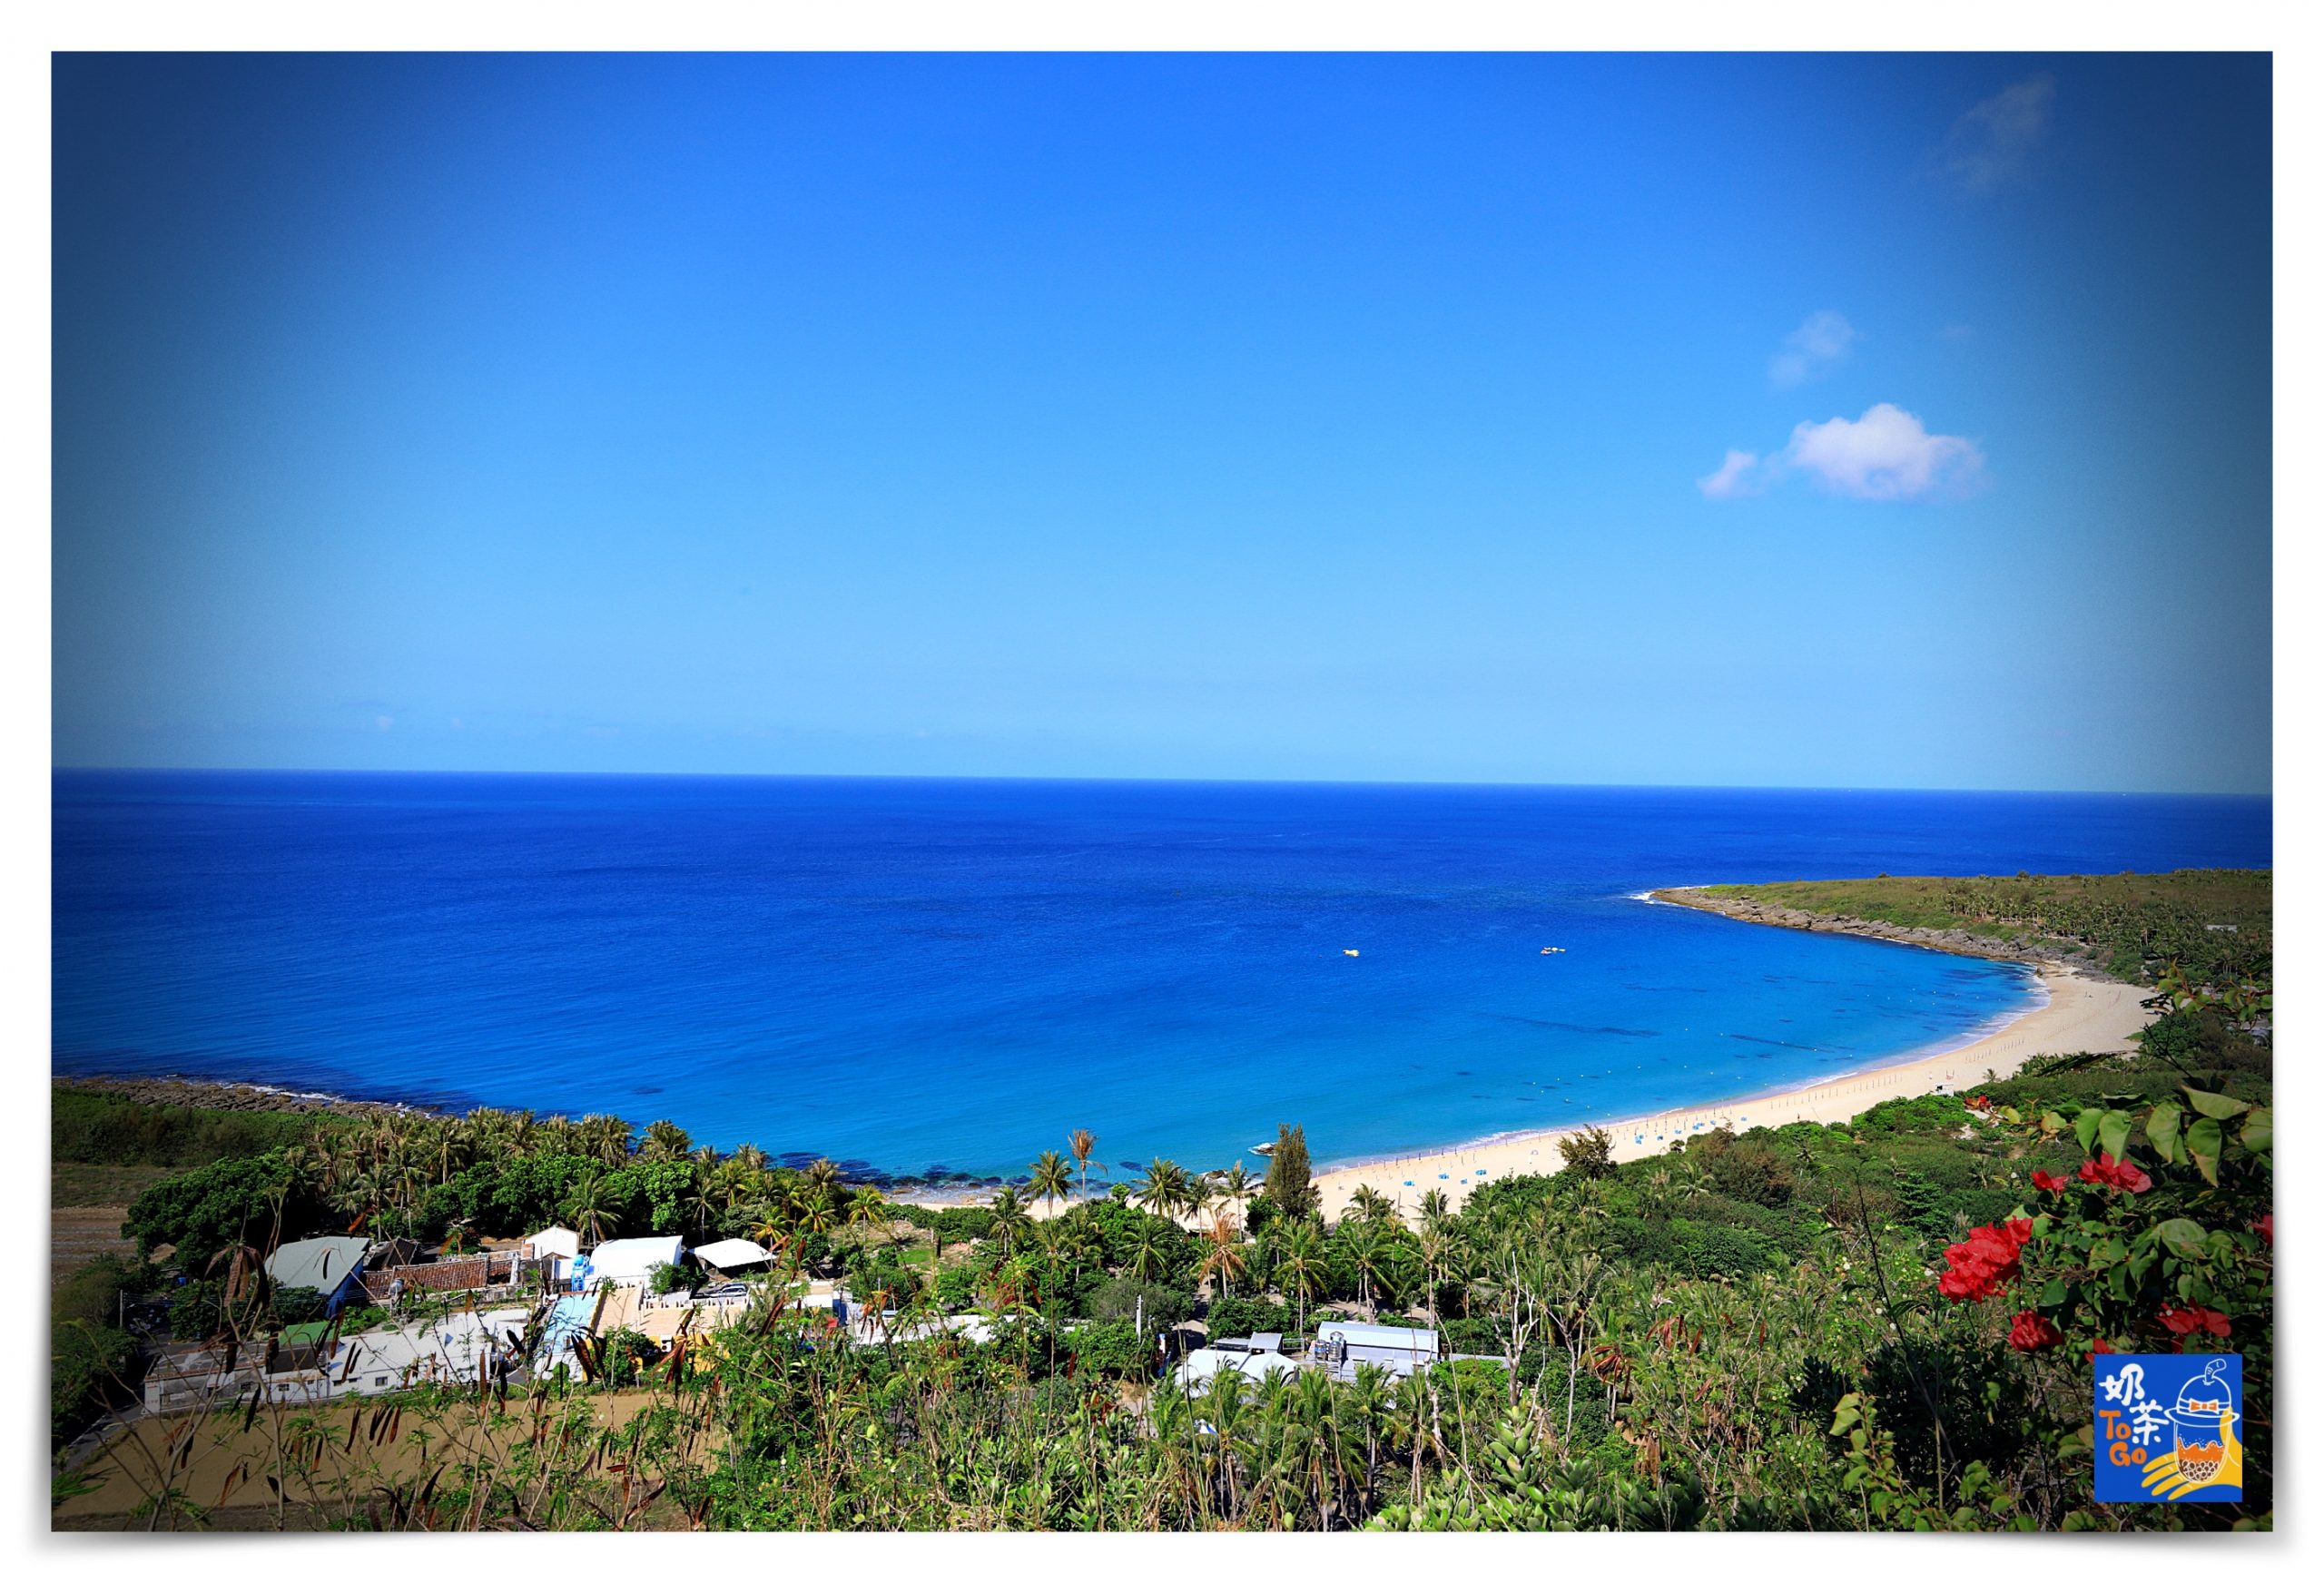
(912, 975)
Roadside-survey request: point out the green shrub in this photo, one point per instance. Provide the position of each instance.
(88, 1366)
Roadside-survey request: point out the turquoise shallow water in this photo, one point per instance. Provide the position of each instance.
(918, 975)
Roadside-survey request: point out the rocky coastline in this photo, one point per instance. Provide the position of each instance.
(199, 1094)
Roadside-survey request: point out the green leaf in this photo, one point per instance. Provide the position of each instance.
(2259, 1134)
(2162, 1131)
(2218, 1106)
(2053, 1122)
(2114, 1132)
(2086, 1128)
(2055, 1294)
(2181, 1236)
(2202, 1147)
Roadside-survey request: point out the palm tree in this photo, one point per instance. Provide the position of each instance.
(1435, 1208)
(1237, 1185)
(605, 1138)
(1150, 1249)
(1081, 1142)
(825, 1175)
(770, 1230)
(1368, 1204)
(867, 1210)
(1009, 1217)
(591, 1207)
(1299, 1264)
(1154, 1192)
(811, 1207)
(751, 1157)
(1224, 1261)
(665, 1140)
(1051, 1177)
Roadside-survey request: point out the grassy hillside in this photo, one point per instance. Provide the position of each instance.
(2218, 924)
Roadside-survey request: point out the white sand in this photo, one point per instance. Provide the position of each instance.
(2082, 1015)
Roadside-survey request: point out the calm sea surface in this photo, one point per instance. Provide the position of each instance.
(918, 974)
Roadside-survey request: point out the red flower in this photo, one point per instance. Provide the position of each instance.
(2049, 1184)
(2180, 1322)
(2266, 1226)
(2097, 1347)
(2109, 1172)
(1986, 1262)
(2030, 1333)
(1978, 1102)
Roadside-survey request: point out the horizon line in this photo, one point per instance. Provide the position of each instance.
(55, 769)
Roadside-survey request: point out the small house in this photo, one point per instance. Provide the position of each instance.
(327, 1264)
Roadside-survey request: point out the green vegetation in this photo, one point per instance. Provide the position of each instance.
(1883, 1325)
(2215, 924)
(106, 1129)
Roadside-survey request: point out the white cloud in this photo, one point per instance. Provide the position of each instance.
(1816, 348)
(1989, 145)
(1885, 454)
(1736, 475)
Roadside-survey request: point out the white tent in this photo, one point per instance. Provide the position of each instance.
(556, 1242)
(633, 1258)
(733, 1254)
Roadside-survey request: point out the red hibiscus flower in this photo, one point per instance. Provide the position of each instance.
(2266, 1226)
(1978, 1102)
(2030, 1333)
(1986, 1262)
(2109, 1172)
(2187, 1321)
(2049, 1184)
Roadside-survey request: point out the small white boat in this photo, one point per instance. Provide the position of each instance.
(1346, 953)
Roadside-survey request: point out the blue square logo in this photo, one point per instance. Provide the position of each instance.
(2166, 1426)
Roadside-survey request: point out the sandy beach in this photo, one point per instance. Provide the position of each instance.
(2082, 1013)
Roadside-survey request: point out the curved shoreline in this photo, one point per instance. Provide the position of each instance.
(2082, 1013)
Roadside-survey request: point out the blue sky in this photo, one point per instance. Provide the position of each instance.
(1837, 421)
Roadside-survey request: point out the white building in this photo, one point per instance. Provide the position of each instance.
(1341, 1345)
(1197, 1369)
(627, 1261)
(453, 1349)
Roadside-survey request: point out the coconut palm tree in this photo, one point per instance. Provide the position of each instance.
(867, 1211)
(1051, 1178)
(813, 1209)
(665, 1140)
(1008, 1218)
(825, 1175)
(591, 1207)
(1299, 1266)
(751, 1157)
(1237, 1185)
(1224, 1260)
(1150, 1249)
(1367, 1202)
(1081, 1142)
(605, 1138)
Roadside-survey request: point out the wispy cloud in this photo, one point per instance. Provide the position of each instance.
(1816, 348)
(1990, 146)
(1887, 454)
(1738, 474)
